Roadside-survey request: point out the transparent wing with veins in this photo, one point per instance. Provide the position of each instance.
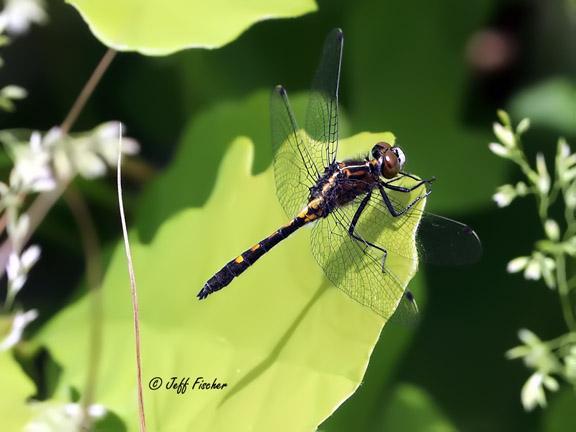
(301, 155)
(377, 277)
(322, 114)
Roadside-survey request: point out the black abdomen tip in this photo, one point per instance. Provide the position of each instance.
(204, 292)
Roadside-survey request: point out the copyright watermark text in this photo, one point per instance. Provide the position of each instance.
(181, 384)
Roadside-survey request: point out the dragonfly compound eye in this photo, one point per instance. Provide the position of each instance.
(391, 165)
(379, 149)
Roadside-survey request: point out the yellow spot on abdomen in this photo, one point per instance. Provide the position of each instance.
(310, 217)
(256, 246)
(239, 259)
(303, 213)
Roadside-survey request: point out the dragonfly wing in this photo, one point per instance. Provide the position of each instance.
(368, 275)
(444, 241)
(440, 240)
(322, 114)
(294, 168)
(354, 269)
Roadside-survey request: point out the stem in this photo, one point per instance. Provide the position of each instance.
(568, 216)
(563, 290)
(91, 247)
(36, 212)
(133, 288)
(9, 300)
(87, 91)
(571, 282)
(561, 341)
(531, 175)
(44, 202)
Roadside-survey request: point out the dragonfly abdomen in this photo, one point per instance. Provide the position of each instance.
(239, 264)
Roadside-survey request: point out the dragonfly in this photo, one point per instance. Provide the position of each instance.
(363, 210)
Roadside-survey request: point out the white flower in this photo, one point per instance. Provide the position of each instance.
(528, 337)
(13, 92)
(517, 264)
(532, 393)
(94, 411)
(32, 171)
(19, 323)
(504, 195)
(499, 149)
(523, 126)
(552, 229)
(543, 176)
(18, 227)
(107, 136)
(570, 364)
(53, 417)
(565, 162)
(89, 154)
(536, 266)
(547, 265)
(570, 196)
(18, 267)
(88, 163)
(504, 135)
(563, 148)
(18, 15)
(533, 270)
(521, 189)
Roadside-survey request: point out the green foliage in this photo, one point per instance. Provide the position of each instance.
(408, 74)
(550, 258)
(404, 71)
(551, 103)
(276, 336)
(16, 389)
(363, 411)
(560, 415)
(411, 409)
(163, 27)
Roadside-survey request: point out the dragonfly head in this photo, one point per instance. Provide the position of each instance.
(390, 160)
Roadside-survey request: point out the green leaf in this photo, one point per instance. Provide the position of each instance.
(550, 104)
(160, 27)
(284, 341)
(559, 416)
(412, 409)
(363, 410)
(218, 125)
(15, 388)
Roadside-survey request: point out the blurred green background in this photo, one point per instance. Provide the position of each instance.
(434, 74)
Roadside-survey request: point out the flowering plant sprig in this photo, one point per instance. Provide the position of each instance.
(43, 164)
(15, 19)
(555, 358)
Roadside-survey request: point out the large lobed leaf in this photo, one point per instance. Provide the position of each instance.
(15, 388)
(160, 27)
(290, 346)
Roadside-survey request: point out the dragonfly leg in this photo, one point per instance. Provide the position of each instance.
(413, 177)
(407, 189)
(390, 206)
(355, 236)
(384, 256)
